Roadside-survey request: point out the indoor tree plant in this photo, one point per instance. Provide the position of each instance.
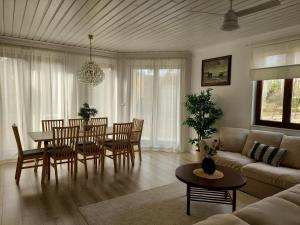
(203, 114)
(86, 113)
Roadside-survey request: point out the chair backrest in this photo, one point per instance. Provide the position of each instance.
(122, 133)
(99, 121)
(17, 137)
(137, 129)
(94, 134)
(65, 136)
(47, 125)
(76, 122)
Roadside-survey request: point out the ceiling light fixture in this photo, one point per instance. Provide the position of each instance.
(91, 73)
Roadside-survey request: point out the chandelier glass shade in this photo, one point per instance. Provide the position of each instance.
(90, 72)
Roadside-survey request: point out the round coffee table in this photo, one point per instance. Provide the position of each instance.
(210, 190)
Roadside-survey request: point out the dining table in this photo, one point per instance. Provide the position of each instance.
(46, 137)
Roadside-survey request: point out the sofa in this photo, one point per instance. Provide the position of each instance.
(263, 180)
(281, 208)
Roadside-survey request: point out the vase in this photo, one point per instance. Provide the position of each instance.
(208, 165)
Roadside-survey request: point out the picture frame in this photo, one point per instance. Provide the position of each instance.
(216, 71)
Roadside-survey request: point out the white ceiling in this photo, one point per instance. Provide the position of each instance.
(137, 25)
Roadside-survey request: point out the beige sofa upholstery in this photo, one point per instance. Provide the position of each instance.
(263, 179)
(282, 208)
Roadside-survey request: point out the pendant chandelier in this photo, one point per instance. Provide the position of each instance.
(91, 73)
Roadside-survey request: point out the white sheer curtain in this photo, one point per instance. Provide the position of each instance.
(104, 96)
(38, 84)
(155, 96)
(276, 61)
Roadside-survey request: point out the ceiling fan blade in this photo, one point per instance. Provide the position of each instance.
(263, 6)
(196, 11)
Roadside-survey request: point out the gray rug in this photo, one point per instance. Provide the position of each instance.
(165, 205)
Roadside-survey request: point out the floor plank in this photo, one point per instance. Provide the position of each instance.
(31, 203)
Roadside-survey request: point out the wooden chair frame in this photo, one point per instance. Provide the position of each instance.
(120, 144)
(137, 135)
(92, 145)
(47, 125)
(27, 156)
(99, 121)
(65, 141)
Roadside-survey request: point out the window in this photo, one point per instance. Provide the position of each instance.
(155, 97)
(278, 103)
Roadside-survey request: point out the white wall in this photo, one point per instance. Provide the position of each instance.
(235, 99)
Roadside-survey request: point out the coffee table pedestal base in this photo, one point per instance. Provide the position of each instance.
(211, 196)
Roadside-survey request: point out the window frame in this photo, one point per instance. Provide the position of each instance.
(287, 104)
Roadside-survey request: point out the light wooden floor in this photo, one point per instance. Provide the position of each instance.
(33, 204)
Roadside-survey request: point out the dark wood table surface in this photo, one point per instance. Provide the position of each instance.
(208, 190)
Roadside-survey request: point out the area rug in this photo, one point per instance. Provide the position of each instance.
(165, 205)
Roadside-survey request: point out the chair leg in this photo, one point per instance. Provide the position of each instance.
(55, 170)
(95, 164)
(36, 165)
(131, 152)
(85, 166)
(71, 161)
(115, 161)
(140, 152)
(75, 166)
(19, 170)
(103, 160)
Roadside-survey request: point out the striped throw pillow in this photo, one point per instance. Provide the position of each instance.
(267, 154)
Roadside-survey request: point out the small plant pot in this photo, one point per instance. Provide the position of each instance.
(208, 165)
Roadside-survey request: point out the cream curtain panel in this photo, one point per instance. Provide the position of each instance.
(36, 85)
(276, 61)
(155, 92)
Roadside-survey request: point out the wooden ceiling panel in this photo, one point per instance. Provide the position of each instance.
(137, 25)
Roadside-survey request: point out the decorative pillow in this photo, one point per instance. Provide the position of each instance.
(266, 154)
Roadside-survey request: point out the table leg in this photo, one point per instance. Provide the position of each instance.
(233, 200)
(188, 199)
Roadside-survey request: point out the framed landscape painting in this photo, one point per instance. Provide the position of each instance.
(216, 71)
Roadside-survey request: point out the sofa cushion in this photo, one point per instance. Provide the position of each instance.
(292, 145)
(224, 219)
(292, 195)
(232, 139)
(272, 210)
(265, 137)
(233, 160)
(282, 177)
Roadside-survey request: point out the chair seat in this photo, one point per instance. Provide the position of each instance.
(109, 144)
(33, 152)
(63, 151)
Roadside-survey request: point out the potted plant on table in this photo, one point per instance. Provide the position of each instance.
(86, 113)
(203, 114)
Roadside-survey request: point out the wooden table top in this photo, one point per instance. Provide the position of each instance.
(39, 136)
(231, 180)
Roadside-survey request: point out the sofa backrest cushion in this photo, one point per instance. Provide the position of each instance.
(264, 137)
(292, 157)
(233, 139)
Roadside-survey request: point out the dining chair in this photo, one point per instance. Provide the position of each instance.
(26, 156)
(120, 144)
(99, 121)
(92, 145)
(47, 125)
(65, 141)
(137, 135)
(76, 122)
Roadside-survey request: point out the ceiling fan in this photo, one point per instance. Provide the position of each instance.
(231, 17)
